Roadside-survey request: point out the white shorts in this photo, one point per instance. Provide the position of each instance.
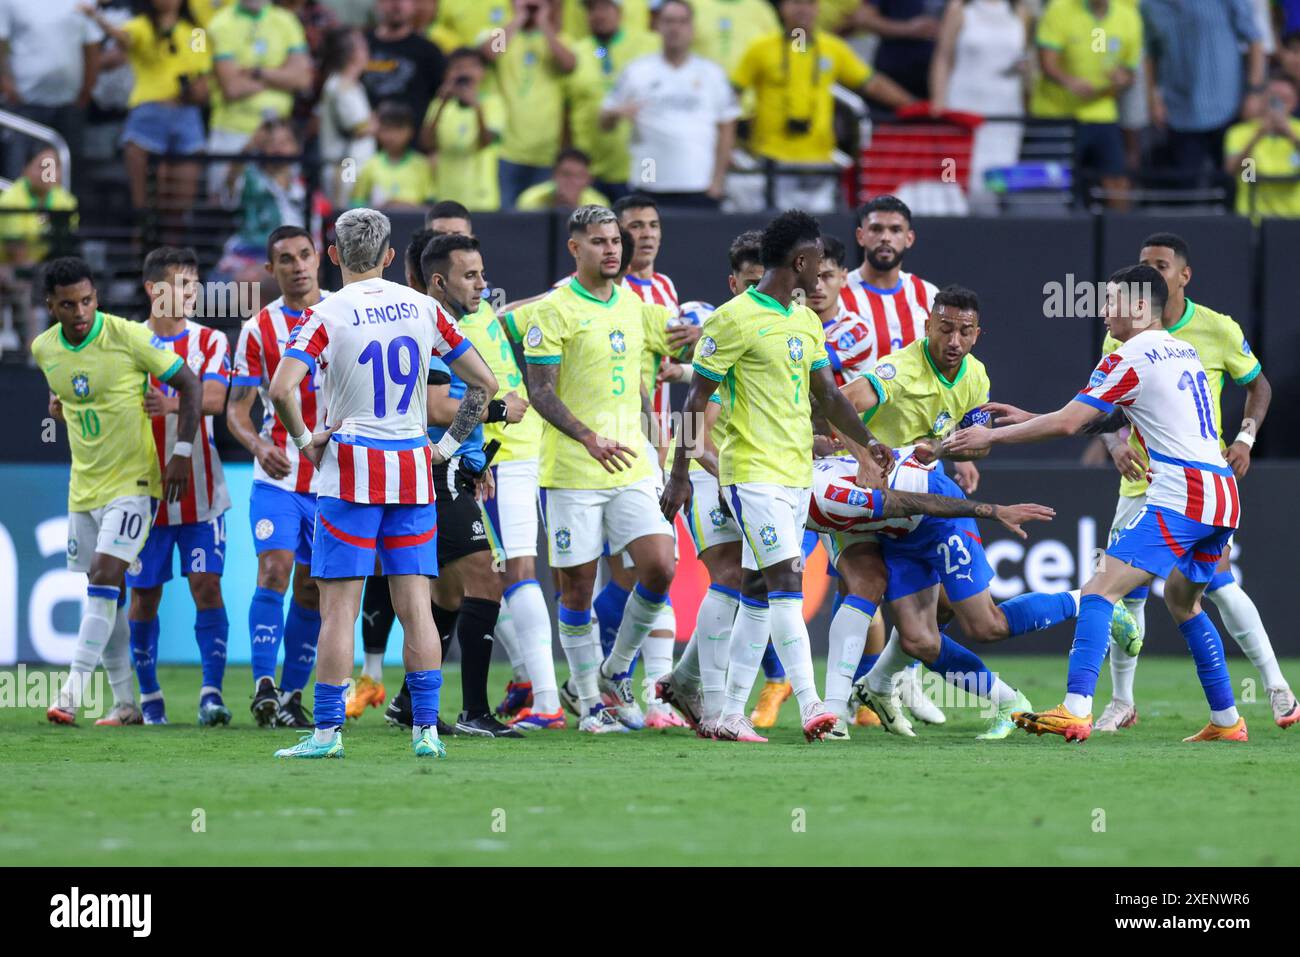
(512, 513)
(118, 529)
(579, 521)
(772, 518)
(710, 523)
(836, 543)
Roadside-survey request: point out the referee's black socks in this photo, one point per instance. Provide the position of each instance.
(478, 618)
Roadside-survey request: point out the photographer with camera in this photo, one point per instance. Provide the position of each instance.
(171, 62)
(461, 132)
(1267, 146)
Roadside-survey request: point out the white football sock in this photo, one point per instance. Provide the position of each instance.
(848, 636)
(504, 632)
(532, 623)
(372, 665)
(1079, 705)
(117, 661)
(1001, 692)
(96, 626)
(893, 659)
(660, 644)
(712, 638)
(1241, 618)
(582, 650)
(687, 672)
(749, 636)
(790, 639)
(1123, 666)
(639, 617)
(1225, 719)
(326, 735)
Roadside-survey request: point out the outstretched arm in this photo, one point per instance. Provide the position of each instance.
(900, 504)
(1054, 425)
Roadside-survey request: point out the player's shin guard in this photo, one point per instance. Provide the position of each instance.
(639, 617)
(504, 634)
(92, 635)
(773, 670)
(1241, 618)
(1091, 637)
(964, 669)
(749, 636)
(144, 653)
(474, 632)
(790, 637)
(1036, 611)
(1207, 651)
(532, 621)
(582, 651)
(266, 626)
(713, 625)
(609, 605)
(211, 631)
(425, 688)
(848, 636)
(660, 643)
(301, 632)
(117, 656)
(329, 706)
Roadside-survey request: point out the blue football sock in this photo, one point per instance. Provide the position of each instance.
(1207, 651)
(329, 705)
(144, 652)
(773, 670)
(211, 629)
(866, 664)
(426, 689)
(1036, 610)
(266, 626)
(1091, 639)
(301, 631)
(963, 668)
(608, 606)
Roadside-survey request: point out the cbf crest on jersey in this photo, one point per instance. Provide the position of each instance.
(563, 539)
(941, 424)
(80, 385)
(534, 337)
(796, 348)
(767, 535)
(617, 342)
(717, 517)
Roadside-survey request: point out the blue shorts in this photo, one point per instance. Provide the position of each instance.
(202, 546)
(282, 521)
(810, 542)
(165, 128)
(1159, 539)
(349, 535)
(945, 551)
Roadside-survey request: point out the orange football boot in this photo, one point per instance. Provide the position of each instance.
(770, 699)
(366, 692)
(1072, 727)
(1213, 732)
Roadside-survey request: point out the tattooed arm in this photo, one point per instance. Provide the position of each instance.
(900, 504)
(480, 385)
(542, 378)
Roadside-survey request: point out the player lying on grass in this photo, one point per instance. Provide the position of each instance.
(1192, 505)
(901, 542)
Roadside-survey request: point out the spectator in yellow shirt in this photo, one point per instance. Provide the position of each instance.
(531, 62)
(398, 176)
(473, 20)
(171, 63)
(602, 56)
(791, 73)
(724, 29)
(461, 132)
(570, 188)
(1268, 146)
(575, 26)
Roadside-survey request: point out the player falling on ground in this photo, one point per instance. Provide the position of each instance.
(282, 507)
(1191, 510)
(697, 685)
(373, 339)
(195, 526)
(769, 351)
(1225, 353)
(583, 346)
(96, 366)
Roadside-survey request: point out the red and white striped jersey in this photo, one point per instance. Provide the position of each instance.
(897, 316)
(207, 352)
(1164, 391)
(839, 505)
(851, 345)
(373, 340)
(657, 290)
(262, 341)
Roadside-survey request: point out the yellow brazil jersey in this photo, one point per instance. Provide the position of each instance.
(381, 182)
(532, 87)
(1090, 48)
(915, 401)
(463, 170)
(763, 354)
(598, 69)
(724, 29)
(598, 347)
(655, 314)
(1274, 156)
(1224, 352)
(542, 196)
(519, 440)
(444, 38)
(35, 230)
(791, 84)
(101, 383)
(158, 63)
(264, 39)
(470, 20)
(575, 26)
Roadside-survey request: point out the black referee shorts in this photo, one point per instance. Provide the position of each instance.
(461, 530)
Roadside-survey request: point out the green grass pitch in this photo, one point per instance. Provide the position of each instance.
(131, 796)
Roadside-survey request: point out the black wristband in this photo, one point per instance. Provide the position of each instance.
(497, 410)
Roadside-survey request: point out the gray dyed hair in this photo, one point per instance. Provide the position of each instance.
(361, 237)
(585, 216)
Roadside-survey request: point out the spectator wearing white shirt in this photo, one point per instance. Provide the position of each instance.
(683, 113)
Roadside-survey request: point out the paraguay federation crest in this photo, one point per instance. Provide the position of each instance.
(796, 348)
(617, 342)
(80, 385)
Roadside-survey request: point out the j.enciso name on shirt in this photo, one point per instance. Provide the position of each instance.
(393, 312)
